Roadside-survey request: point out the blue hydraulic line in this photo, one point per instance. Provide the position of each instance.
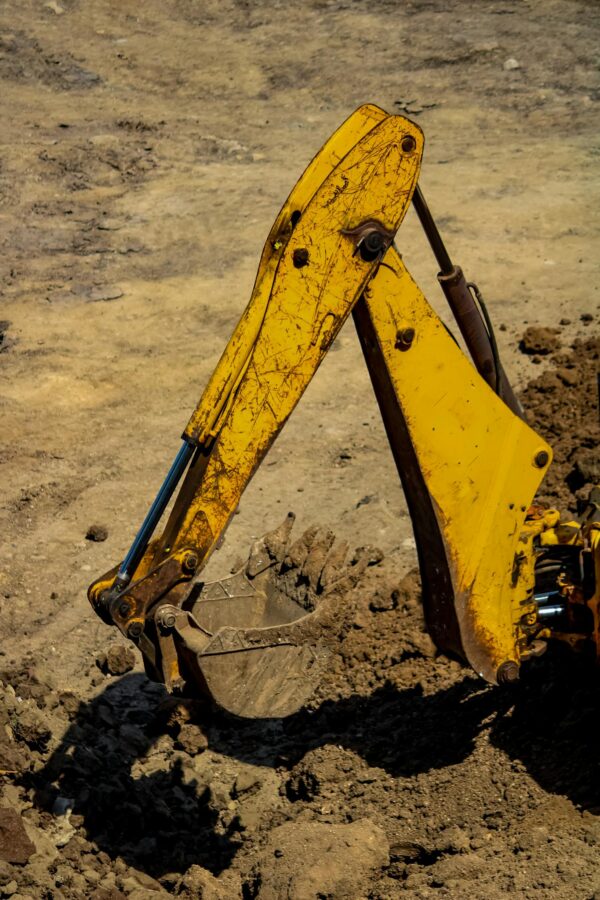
(138, 548)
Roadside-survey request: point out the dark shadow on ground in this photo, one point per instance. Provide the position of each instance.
(549, 721)
(159, 822)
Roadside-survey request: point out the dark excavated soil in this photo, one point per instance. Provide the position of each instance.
(562, 405)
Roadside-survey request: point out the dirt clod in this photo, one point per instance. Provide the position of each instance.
(96, 533)
(539, 340)
(562, 405)
(308, 860)
(15, 846)
(117, 660)
(191, 739)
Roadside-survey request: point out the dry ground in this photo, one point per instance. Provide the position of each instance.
(145, 150)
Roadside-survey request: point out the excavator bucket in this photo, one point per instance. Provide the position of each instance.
(256, 642)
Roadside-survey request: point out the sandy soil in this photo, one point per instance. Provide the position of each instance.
(145, 151)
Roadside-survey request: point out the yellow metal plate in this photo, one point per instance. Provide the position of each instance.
(477, 459)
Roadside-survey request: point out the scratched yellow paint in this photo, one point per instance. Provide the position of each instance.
(477, 458)
(374, 180)
(203, 423)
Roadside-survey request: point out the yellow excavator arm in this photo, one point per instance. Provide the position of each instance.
(469, 464)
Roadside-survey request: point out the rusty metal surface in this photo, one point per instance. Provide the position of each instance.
(473, 330)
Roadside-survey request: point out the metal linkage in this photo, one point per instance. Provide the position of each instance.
(431, 230)
(142, 538)
(465, 301)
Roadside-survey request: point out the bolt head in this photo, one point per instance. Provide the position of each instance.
(404, 338)
(166, 617)
(300, 257)
(408, 143)
(135, 630)
(374, 242)
(508, 672)
(541, 459)
(190, 562)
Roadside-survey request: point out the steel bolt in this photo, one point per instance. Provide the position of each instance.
(190, 562)
(373, 242)
(166, 617)
(300, 257)
(540, 459)
(404, 338)
(135, 630)
(124, 609)
(408, 143)
(508, 672)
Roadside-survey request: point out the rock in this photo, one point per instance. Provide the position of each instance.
(309, 860)
(6, 872)
(117, 660)
(511, 64)
(568, 377)
(565, 322)
(9, 889)
(372, 555)
(456, 869)
(587, 466)
(15, 846)
(249, 818)
(70, 702)
(320, 769)
(191, 739)
(246, 783)
(103, 292)
(586, 318)
(14, 760)
(97, 533)
(145, 894)
(107, 893)
(408, 593)
(200, 884)
(32, 728)
(452, 840)
(383, 601)
(139, 881)
(539, 340)
(62, 830)
(172, 713)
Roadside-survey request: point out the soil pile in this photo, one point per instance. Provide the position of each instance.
(406, 776)
(562, 404)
